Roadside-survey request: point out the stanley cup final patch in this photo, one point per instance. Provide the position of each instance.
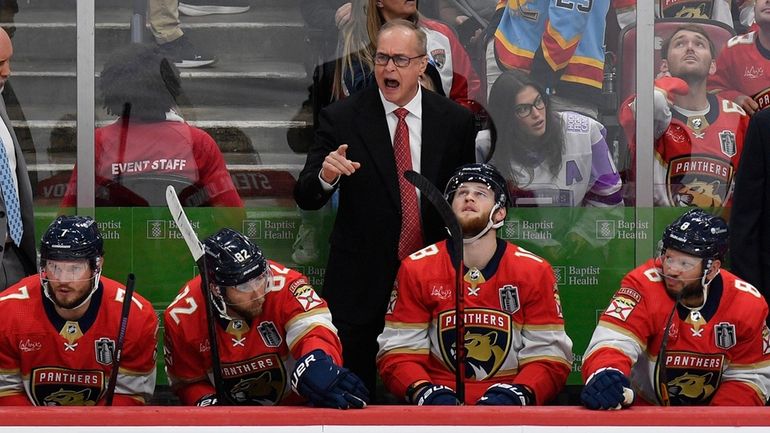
(270, 335)
(724, 333)
(105, 350)
(509, 298)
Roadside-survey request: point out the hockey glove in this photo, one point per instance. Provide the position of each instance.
(207, 400)
(607, 389)
(325, 384)
(434, 395)
(503, 394)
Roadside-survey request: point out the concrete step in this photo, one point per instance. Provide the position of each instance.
(112, 4)
(273, 32)
(247, 83)
(244, 130)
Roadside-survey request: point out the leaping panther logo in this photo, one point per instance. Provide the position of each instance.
(698, 11)
(692, 387)
(64, 397)
(699, 193)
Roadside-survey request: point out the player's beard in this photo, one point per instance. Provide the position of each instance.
(472, 226)
(691, 289)
(71, 304)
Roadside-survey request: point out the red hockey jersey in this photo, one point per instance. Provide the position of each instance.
(169, 148)
(741, 70)
(257, 358)
(718, 355)
(696, 157)
(514, 329)
(48, 361)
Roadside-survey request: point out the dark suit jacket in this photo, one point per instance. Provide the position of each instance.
(750, 215)
(27, 248)
(364, 241)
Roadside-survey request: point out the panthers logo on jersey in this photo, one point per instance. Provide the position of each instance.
(687, 8)
(256, 381)
(54, 386)
(488, 335)
(698, 180)
(692, 378)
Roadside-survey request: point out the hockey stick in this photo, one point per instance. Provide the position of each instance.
(128, 297)
(434, 196)
(661, 385)
(196, 249)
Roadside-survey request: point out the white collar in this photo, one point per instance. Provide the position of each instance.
(414, 106)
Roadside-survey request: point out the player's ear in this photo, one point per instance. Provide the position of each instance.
(713, 67)
(502, 213)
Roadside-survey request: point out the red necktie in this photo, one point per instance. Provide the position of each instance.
(411, 232)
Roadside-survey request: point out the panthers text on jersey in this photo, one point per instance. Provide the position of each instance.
(57, 362)
(718, 355)
(257, 358)
(741, 70)
(514, 329)
(696, 156)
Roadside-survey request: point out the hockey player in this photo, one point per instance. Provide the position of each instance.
(274, 335)
(681, 330)
(59, 328)
(740, 75)
(517, 350)
(698, 136)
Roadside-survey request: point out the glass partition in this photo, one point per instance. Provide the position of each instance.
(232, 135)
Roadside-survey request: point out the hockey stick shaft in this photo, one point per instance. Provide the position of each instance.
(660, 363)
(434, 196)
(128, 297)
(196, 250)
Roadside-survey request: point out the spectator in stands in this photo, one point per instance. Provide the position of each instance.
(718, 10)
(358, 151)
(749, 219)
(469, 18)
(549, 158)
(511, 296)
(698, 136)
(150, 144)
(163, 17)
(454, 76)
(740, 75)
(561, 44)
(681, 330)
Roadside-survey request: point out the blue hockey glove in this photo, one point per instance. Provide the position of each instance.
(607, 389)
(503, 394)
(434, 395)
(207, 400)
(325, 384)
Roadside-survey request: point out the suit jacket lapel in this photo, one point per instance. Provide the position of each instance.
(433, 137)
(373, 130)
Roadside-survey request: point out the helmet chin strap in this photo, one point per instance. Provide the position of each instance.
(490, 225)
(705, 284)
(220, 304)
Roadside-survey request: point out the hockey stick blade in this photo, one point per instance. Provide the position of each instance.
(434, 196)
(196, 250)
(128, 297)
(183, 224)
